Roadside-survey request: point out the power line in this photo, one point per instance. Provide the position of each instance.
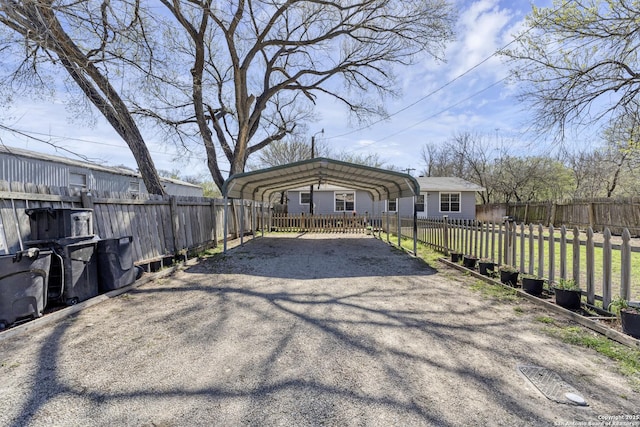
(448, 83)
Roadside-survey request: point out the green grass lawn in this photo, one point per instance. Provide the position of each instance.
(531, 257)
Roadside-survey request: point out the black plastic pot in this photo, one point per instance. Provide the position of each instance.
(568, 299)
(486, 268)
(456, 256)
(509, 277)
(469, 262)
(532, 286)
(630, 323)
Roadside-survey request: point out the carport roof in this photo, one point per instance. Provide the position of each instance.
(258, 185)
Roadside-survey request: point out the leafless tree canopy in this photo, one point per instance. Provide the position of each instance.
(230, 76)
(579, 61)
(92, 42)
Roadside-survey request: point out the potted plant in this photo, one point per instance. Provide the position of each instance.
(532, 284)
(629, 314)
(469, 261)
(568, 294)
(486, 266)
(509, 275)
(455, 256)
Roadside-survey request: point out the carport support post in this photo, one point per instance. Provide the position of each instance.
(241, 222)
(226, 225)
(415, 225)
(388, 229)
(262, 216)
(399, 226)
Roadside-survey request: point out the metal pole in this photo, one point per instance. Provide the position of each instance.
(225, 228)
(415, 225)
(241, 222)
(313, 147)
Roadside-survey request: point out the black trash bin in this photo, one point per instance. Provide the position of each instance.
(74, 271)
(59, 223)
(115, 263)
(24, 278)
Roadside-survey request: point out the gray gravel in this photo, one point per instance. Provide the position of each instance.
(296, 330)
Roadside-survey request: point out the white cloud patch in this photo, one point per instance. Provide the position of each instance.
(481, 31)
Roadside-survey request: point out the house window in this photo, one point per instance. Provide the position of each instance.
(134, 186)
(345, 201)
(392, 205)
(449, 202)
(420, 203)
(305, 198)
(77, 180)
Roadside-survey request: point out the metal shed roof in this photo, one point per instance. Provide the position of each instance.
(258, 185)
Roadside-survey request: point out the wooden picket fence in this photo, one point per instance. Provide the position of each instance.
(338, 223)
(604, 265)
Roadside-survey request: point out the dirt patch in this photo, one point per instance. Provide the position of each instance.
(302, 330)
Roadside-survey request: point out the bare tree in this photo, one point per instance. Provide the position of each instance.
(256, 67)
(578, 61)
(86, 40)
(465, 155)
(231, 77)
(289, 150)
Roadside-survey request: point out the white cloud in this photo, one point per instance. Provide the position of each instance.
(480, 32)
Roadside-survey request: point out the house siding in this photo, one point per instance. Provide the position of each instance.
(324, 201)
(18, 168)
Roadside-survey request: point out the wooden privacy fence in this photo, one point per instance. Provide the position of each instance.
(605, 266)
(160, 226)
(337, 223)
(617, 214)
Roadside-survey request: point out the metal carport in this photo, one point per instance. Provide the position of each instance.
(259, 185)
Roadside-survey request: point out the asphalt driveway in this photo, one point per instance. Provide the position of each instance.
(297, 330)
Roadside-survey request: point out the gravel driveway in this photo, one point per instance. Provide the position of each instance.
(296, 330)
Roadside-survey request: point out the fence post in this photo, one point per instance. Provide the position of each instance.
(514, 232)
(606, 269)
(625, 267)
(531, 251)
(215, 221)
(576, 255)
(522, 248)
(563, 252)
(445, 233)
(175, 223)
(552, 255)
(591, 291)
(540, 251)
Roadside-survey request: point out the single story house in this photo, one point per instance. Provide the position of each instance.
(19, 165)
(439, 196)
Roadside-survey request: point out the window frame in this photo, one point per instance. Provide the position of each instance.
(424, 203)
(308, 193)
(74, 184)
(335, 201)
(130, 189)
(449, 202)
(389, 201)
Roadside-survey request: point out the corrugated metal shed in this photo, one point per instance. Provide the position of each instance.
(26, 166)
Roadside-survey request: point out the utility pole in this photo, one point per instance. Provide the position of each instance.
(313, 147)
(409, 170)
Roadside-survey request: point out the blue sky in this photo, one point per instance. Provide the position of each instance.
(478, 102)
